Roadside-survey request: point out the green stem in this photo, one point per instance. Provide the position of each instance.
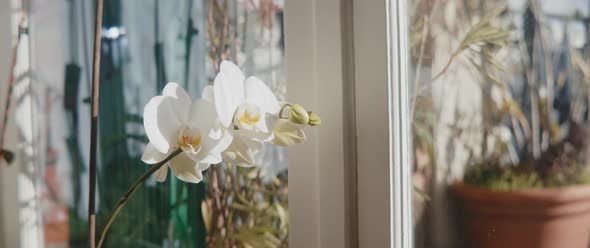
(123, 200)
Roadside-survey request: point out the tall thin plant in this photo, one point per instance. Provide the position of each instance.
(94, 124)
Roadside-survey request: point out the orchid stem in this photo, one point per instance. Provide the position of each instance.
(123, 200)
(287, 105)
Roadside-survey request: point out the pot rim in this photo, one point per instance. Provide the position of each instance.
(558, 195)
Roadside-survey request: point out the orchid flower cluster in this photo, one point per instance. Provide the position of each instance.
(231, 122)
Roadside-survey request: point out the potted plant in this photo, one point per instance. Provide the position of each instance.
(528, 184)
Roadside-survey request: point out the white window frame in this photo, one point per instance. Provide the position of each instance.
(351, 184)
(314, 58)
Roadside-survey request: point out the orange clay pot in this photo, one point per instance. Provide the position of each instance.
(535, 218)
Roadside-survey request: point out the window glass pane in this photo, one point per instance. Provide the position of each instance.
(144, 45)
(500, 113)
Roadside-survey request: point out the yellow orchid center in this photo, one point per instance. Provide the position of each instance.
(189, 139)
(248, 118)
(247, 115)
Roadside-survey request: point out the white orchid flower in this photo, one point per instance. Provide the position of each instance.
(245, 106)
(174, 121)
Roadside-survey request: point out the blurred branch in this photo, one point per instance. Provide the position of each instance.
(426, 22)
(5, 154)
(545, 113)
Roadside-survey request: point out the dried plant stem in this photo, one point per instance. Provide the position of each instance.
(218, 26)
(94, 124)
(426, 20)
(425, 31)
(453, 56)
(220, 209)
(219, 35)
(123, 200)
(11, 81)
(535, 118)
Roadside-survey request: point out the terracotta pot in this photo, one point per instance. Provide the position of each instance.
(535, 218)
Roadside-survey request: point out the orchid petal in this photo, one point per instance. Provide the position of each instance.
(174, 90)
(223, 143)
(263, 132)
(287, 133)
(211, 149)
(162, 117)
(242, 151)
(228, 91)
(196, 157)
(151, 155)
(215, 140)
(258, 93)
(203, 167)
(202, 115)
(266, 126)
(161, 174)
(186, 169)
(215, 147)
(212, 158)
(216, 133)
(208, 94)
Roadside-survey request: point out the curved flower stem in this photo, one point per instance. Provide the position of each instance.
(123, 200)
(287, 105)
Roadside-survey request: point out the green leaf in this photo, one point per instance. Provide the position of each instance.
(7, 155)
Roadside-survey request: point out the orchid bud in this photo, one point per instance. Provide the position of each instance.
(314, 120)
(287, 133)
(298, 114)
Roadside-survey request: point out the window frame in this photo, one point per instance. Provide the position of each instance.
(318, 209)
(350, 170)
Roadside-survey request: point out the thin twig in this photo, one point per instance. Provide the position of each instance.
(535, 112)
(11, 81)
(544, 116)
(123, 200)
(218, 218)
(94, 124)
(453, 56)
(426, 20)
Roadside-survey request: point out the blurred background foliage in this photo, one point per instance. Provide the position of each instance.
(500, 100)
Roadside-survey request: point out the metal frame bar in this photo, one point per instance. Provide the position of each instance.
(382, 108)
(400, 129)
(319, 170)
